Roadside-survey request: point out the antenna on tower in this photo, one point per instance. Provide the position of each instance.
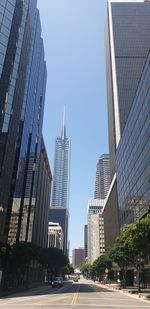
(63, 127)
(64, 114)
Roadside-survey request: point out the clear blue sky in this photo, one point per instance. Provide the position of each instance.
(73, 33)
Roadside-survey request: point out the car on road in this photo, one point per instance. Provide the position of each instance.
(57, 282)
(75, 279)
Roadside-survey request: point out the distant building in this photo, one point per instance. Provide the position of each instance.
(55, 236)
(78, 257)
(60, 215)
(70, 259)
(103, 180)
(96, 241)
(86, 241)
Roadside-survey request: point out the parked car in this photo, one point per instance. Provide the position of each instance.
(57, 282)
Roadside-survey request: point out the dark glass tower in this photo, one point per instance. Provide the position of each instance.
(22, 93)
(127, 47)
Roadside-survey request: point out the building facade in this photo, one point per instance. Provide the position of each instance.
(102, 182)
(40, 234)
(22, 94)
(132, 157)
(126, 54)
(55, 236)
(96, 241)
(86, 241)
(60, 215)
(78, 257)
(111, 215)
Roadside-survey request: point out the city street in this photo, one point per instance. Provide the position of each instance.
(84, 294)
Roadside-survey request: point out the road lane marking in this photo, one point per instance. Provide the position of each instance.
(47, 302)
(75, 296)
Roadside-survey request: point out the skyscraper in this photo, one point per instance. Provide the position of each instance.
(61, 174)
(40, 233)
(96, 244)
(78, 257)
(22, 93)
(126, 53)
(102, 183)
(59, 210)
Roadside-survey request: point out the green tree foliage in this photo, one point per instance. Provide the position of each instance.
(86, 269)
(53, 259)
(67, 270)
(132, 246)
(4, 254)
(137, 238)
(101, 263)
(22, 253)
(15, 262)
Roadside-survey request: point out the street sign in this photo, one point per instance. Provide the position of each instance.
(106, 270)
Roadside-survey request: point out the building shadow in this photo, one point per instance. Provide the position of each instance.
(68, 287)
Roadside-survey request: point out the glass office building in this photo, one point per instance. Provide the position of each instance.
(61, 215)
(133, 156)
(127, 44)
(22, 93)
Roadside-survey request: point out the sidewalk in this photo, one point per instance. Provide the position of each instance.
(144, 294)
(33, 290)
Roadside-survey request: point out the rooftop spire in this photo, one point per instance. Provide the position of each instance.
(63, 132)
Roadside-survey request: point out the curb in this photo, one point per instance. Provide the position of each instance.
(137, 296)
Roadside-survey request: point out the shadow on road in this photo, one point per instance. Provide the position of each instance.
(68, 287)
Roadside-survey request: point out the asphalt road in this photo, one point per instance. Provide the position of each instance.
(84, 294)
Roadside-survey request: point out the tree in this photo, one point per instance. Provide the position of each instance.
(86, 269)
(120, 254)
(67, 270)
(132, 246)
(22, 253)
(137, 237)
(54, 260)
(101, 264)
(4, 255)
